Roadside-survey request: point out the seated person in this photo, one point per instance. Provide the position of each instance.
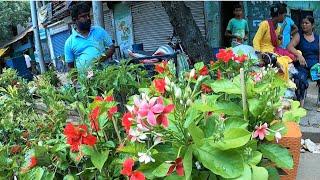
(267, 40)
(308, 44)
(86, 43)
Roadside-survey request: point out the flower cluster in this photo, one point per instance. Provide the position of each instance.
(144, 115)
(226, 55)
(262, 130)
(128, 170)
(77, 135)
(162, 67)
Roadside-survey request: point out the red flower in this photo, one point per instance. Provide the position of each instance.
(126, 122)
(94, 118)
(162, 118)
(161, 67)
(15, 149)
(219, 74)
(178, 166)
(160, 85)
(33, 162)
(127, 170)
(225, 55)
(204, 71)
(113, 109)
(240, 59)
(137, 175)
(98, 98)
(205, 88)
(77, 135)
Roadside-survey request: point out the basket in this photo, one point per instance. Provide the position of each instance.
(292, 141)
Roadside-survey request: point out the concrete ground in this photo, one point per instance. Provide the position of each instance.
(310, 126)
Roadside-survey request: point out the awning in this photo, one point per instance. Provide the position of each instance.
(18, 37)
(2, 51)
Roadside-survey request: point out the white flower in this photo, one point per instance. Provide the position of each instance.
(192, 73)
(130, 108)
(189, 102)
(145, 157)
(177, 92)
(198, 165)
(90, 74)
(278, 136)
(137, 135)
(157, 139)
(167, 80)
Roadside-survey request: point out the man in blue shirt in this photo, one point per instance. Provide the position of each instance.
(86, 43)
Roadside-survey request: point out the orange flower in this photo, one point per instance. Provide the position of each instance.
(161, 67)
(94, 115)
(160, 85)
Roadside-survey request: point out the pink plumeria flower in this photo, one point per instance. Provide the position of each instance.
(261, 131)
(257, 77)
(149, 109)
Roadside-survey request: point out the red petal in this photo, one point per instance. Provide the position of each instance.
(98, 98)
(180, 170)
(109, 98)
(137, 175)
(168, 108)
(89, 140)
(127, 167)
(163, 120)
(171, 169)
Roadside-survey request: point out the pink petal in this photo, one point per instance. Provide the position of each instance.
(168, 108)
(255, 134)
(160, 100)
(136, 101)
(261, 135)
(158, 108)
(152, 101)
(265, 126)
(151, 119)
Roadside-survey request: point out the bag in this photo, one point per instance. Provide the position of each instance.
(315, 72)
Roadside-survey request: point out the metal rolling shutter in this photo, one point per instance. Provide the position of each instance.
(151, 25)
(58, 41)
(108, 22)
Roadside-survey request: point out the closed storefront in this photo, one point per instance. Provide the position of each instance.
(151, 25)
(59, 34)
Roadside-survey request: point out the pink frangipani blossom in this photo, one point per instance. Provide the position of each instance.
(261, 131)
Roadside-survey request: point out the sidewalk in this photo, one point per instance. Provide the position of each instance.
(310, 126)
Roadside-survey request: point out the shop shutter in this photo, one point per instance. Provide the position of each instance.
(108, 22)
(151, 25)
(58, 41)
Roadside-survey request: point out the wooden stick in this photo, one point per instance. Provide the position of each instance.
(244, 95)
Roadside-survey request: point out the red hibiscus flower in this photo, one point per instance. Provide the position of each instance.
(128, 171)
(113, 109)
(160, 85)
(77, 135)
(94, 118)
(205, 88)
(33, 162)
(161, 67)
(126, 122)
(178, 166)
(240, 59)
(225, 55)
(204, 71)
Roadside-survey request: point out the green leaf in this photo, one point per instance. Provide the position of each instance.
(228, 164)
(234, 122)
(198, 65)
(246, 175)
(228, 108)
(87, 150)
(199, 106)
(233, 138)
(187, 163)
(256, 106)
(277, 154)
(68, 177)
(226, 86)
(255, 158)
(273, 173)
(192, 115)
(133, 148)
(59, 147)
(98, 159)
(161, 170)
(259, 173)
(196, 134)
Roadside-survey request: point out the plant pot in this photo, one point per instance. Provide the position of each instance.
(292, 141)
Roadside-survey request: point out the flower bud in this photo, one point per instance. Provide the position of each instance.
(192, 73)
(189, 102)
(177, 92)
(167, 80)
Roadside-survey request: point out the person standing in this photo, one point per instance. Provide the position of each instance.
(288, 30)
(86, 43)
(237, 28)
(27, 60)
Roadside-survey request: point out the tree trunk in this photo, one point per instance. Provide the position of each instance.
(189, 33)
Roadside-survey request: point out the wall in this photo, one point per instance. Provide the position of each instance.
(212, 20)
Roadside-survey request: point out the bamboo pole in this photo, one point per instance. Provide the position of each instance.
(244, 95)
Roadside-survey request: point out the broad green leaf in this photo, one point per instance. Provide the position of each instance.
(196, 134)
(199, 106)
(192, 115)
(87, 150)
(259, 173)
(198, 65)
(233, 138)
(255, 158)
(246, 174)
(228, 164)
(256, 106)
(59, 147)
(187, 163)
(277, 154)
(68, 177)
(161, 170)
(234, 122)
(226, 86)
(98, 159)
(228, 108)
(133, 148)
(273, 173)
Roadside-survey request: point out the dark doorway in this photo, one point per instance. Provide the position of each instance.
(226, 15)
(298, 15)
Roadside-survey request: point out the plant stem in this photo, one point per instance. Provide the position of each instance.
(244, 95)
(116, 129)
